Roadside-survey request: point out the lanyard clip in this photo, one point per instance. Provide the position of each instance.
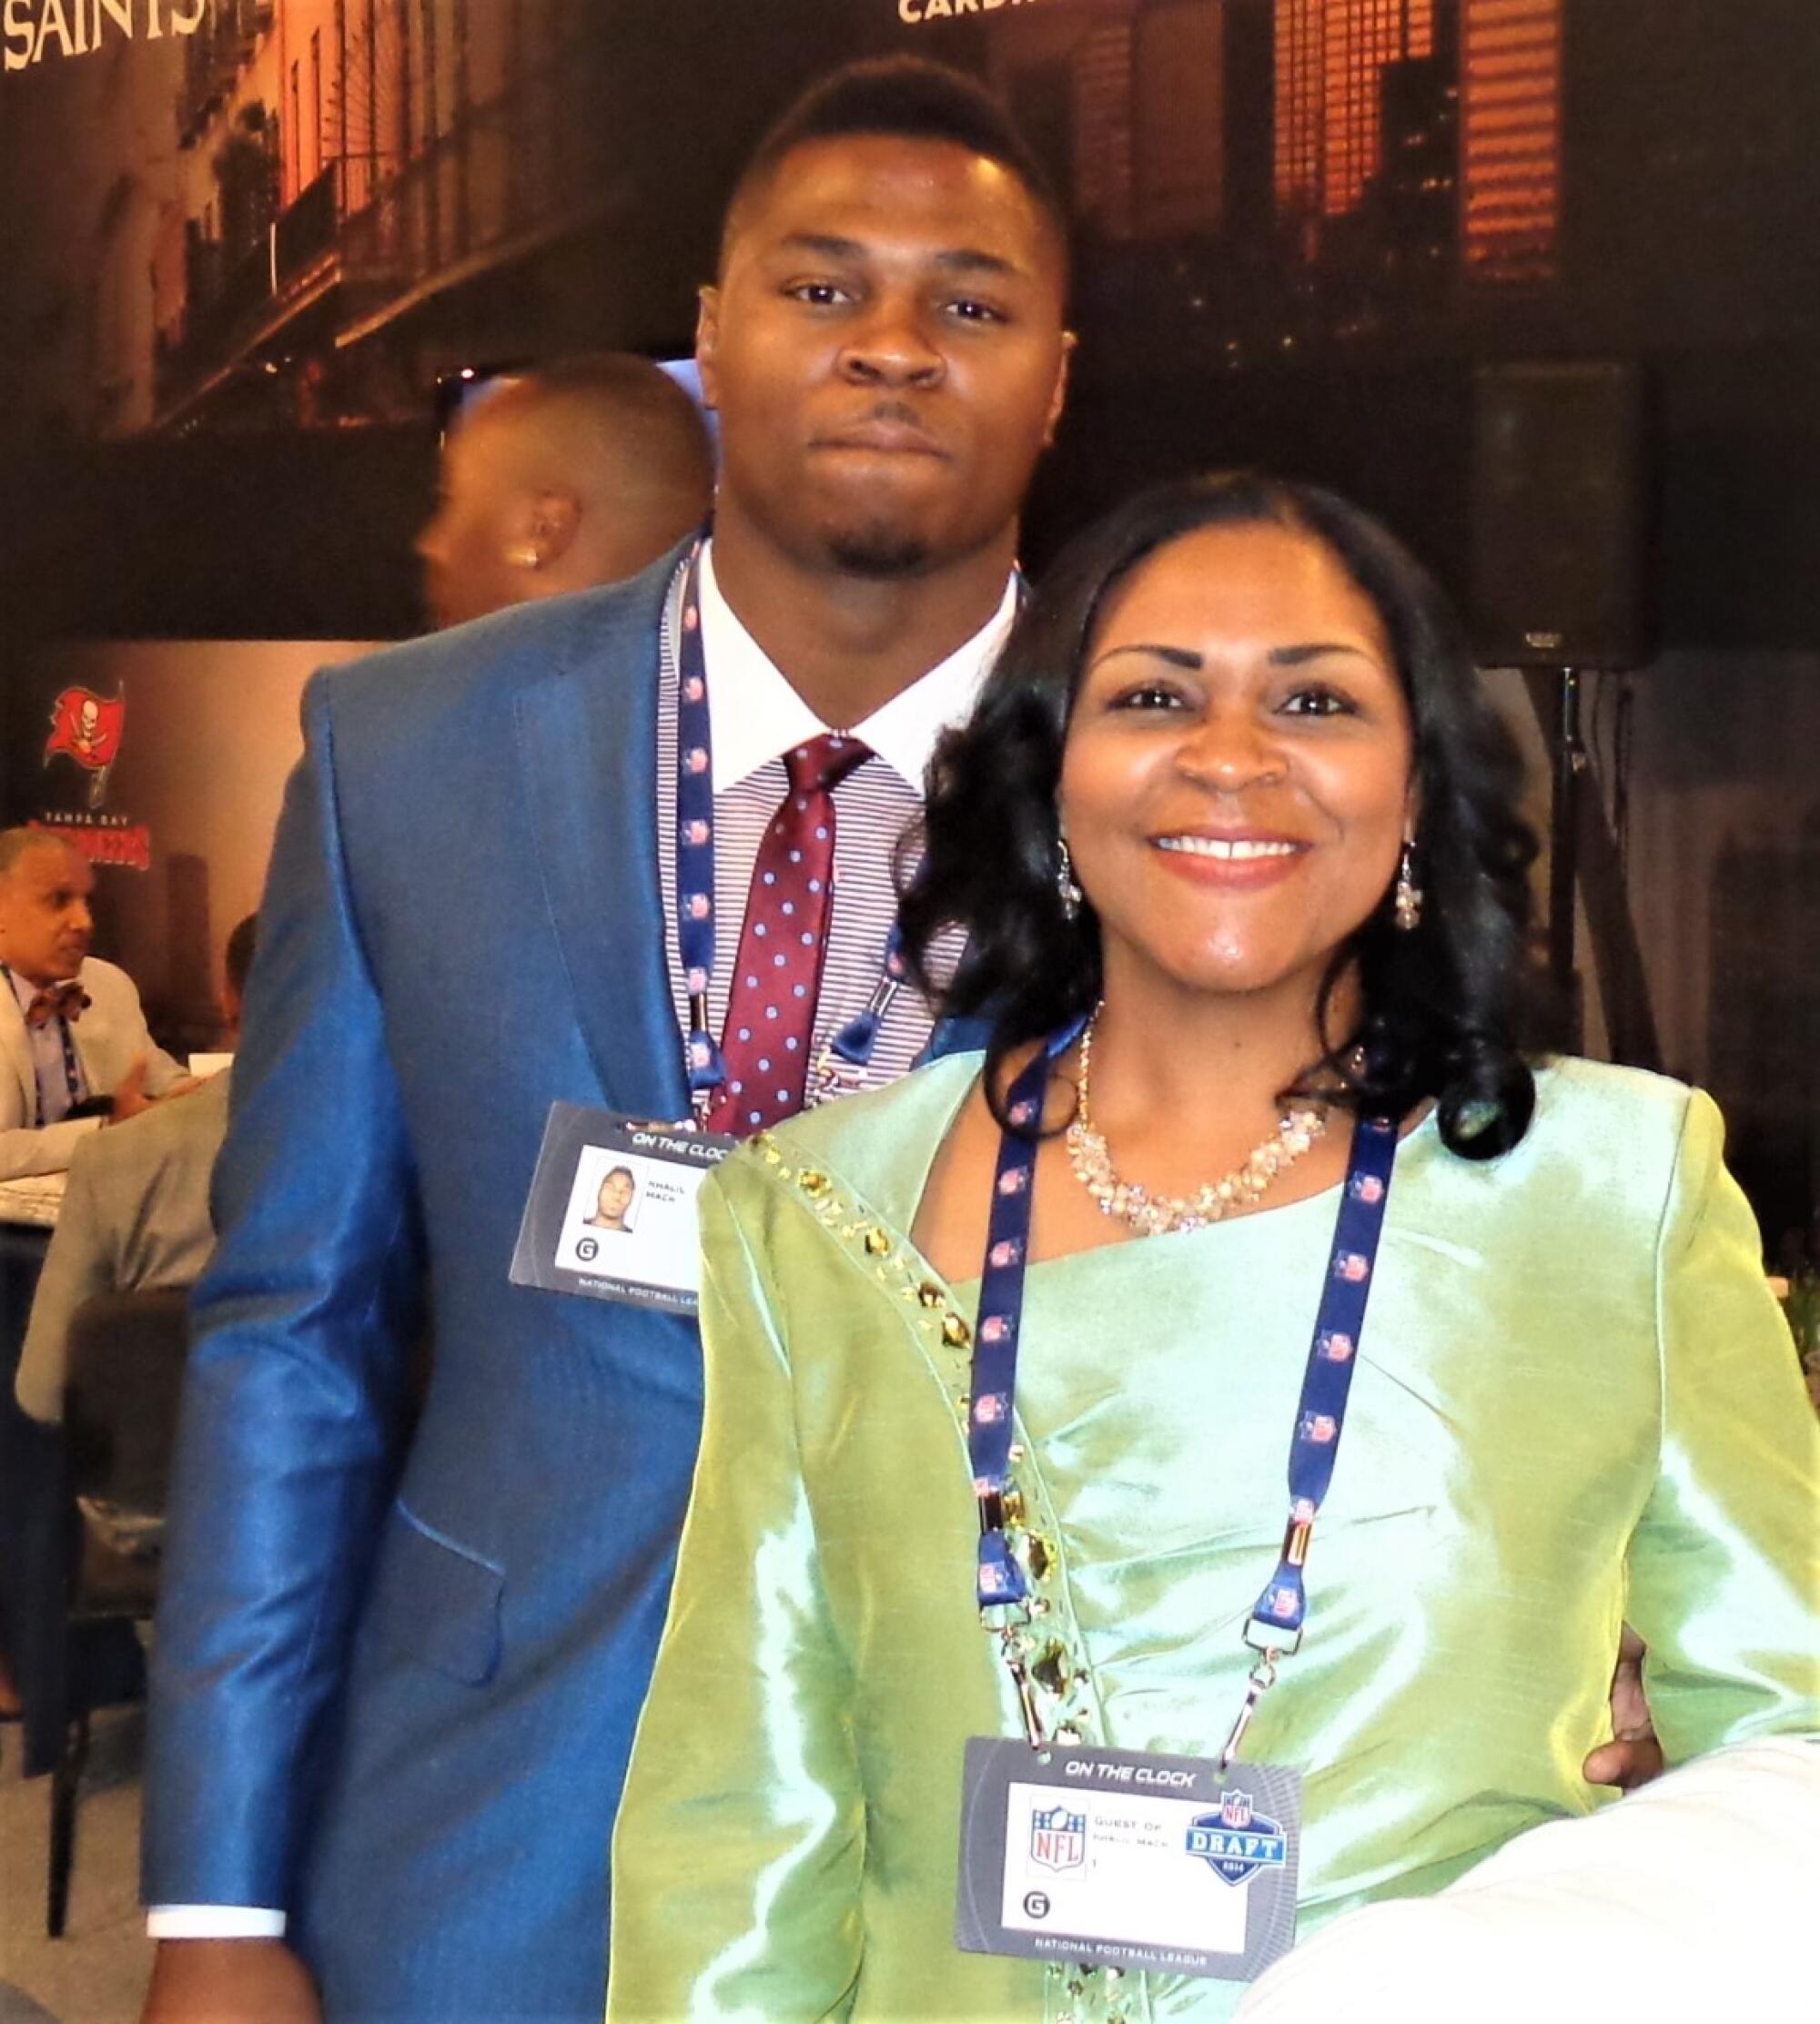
(833, 1073)
(1263, 1678)
(1026, 1693)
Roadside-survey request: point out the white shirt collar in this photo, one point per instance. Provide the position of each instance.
(756, 715)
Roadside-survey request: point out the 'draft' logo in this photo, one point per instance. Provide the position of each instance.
(1236, 1843)
(1058, 1838)
(87, 728)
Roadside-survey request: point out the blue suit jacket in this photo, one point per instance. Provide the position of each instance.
(395, 1684)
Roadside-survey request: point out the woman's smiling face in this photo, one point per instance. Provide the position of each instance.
(1237, 781)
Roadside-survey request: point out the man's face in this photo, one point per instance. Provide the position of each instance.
(887, 350)
(46, 927)
(464, 545)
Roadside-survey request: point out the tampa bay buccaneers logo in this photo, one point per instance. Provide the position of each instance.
(87, 728)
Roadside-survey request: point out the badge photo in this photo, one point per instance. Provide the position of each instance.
(612, 1214)
(603, 1205)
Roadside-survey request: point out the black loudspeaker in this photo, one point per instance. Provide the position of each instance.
(1560, 513)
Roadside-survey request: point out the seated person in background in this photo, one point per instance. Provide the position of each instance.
(577, 472)
(70, 1025)
(136, 1213)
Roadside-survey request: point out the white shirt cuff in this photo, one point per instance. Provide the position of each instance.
(213, 1922)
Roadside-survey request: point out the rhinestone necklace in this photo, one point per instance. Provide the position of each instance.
(1153, 1215)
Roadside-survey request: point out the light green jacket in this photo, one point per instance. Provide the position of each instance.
(1575, 1402)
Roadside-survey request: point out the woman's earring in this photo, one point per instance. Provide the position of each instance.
(1066, 886)
(1406, 902)
(524, 555)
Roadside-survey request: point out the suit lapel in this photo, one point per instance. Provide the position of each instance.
(89, 1035)
(18, 1050)
(586, 737)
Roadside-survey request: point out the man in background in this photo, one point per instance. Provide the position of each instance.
(134, 1213)
(566, 475)
(76, 1050)
(77, 1053)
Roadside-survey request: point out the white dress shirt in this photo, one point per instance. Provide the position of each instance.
(754, 718)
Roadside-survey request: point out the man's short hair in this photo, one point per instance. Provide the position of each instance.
(904, 99)
(16, 843)
(238, 961)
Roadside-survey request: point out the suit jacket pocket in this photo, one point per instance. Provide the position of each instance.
(437, 1600)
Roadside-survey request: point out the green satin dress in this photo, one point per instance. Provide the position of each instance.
(1575, 1402)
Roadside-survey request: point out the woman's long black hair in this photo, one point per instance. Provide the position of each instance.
(1449, 1007)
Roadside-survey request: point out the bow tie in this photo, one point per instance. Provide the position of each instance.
(62, 1001)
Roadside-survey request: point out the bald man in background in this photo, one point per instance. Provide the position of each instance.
(577, 472)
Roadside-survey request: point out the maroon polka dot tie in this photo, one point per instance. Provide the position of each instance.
(771, 1009)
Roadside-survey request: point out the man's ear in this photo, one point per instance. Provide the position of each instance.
(1058, 397)
(555, 516)
(707, 342)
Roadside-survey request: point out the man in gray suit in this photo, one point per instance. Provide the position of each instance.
(136, 1210)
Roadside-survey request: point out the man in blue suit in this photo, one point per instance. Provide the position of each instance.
(397, 1671)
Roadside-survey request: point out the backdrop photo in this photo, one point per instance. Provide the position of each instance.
(1404, 247)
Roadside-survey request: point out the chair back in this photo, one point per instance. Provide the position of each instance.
(126, 1354)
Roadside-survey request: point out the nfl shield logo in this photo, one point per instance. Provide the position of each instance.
(1057, 1838)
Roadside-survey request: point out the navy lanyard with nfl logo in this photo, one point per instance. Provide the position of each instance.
(1277, 1618)
(73, 1078)
(849, 1053)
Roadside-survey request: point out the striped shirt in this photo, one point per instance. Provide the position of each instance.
(755, 717)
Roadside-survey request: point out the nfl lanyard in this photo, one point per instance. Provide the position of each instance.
(72, 1066)
(845, 1059)
(1275, 1627)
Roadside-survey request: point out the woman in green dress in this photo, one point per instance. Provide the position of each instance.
(1233, 838)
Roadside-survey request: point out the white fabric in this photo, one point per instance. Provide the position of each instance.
(1692, 1897)
(109, 1037)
